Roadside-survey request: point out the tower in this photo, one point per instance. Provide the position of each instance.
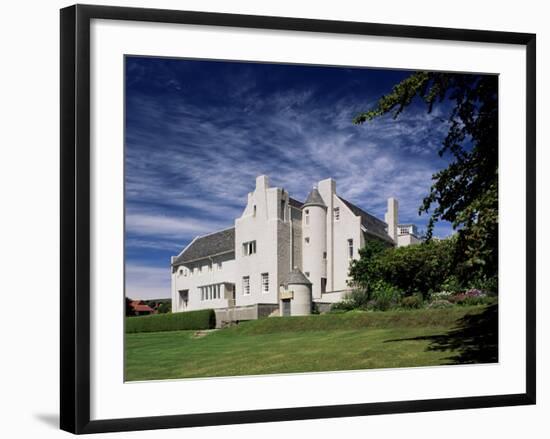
(314, 241)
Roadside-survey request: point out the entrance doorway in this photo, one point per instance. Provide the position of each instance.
(184, 296)
(286, 307)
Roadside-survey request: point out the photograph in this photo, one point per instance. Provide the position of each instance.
(295, 218)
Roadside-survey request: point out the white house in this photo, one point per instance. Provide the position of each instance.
(281, 255)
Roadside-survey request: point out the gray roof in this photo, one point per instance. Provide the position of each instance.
(314, 199)
(295, 203)
(208, 245)
(296, 277)
(374, 226)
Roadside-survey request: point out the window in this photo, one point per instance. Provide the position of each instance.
(254, 211)
(336, 214)
(283, 210)
(350, 248)
(210, 266)
(246, 285)
(307, 217)
(210, 292)
(265, 282)
(307, 239)
(249, 248)
(324, 255)
(219, 265)
(180, 271)
(403, 230)
(307, 273)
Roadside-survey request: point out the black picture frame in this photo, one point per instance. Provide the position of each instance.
(75, 217)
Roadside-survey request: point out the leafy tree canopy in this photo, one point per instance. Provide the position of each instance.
(466, 192)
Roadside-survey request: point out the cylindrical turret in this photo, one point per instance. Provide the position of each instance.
(300, 287)
(314, 246)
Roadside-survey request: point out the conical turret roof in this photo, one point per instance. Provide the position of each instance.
(296, 277)
(314, 199)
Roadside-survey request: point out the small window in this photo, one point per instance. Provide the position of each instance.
(254, 211)
(324, 255)
(350, 248)
(180, 271)
(307, 239)
(249, 248)
(246, 285)
(265, 282)
(336, 214)
(219, 265)
(306, 217)
(307, 273)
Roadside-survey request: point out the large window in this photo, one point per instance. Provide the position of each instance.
(211, 292)
(350, 248)
(249, 248)
(265, 282)
(246, 285)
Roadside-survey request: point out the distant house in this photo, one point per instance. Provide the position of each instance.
(140, 309)
(277, 239)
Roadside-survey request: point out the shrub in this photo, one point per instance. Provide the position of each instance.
(358, 298)
(202, 319)
(421, 268)
(442, 295)
(412, 302)
(451, 284)
(384, 296)
(488, 285)
(440, 303)
(472, 297)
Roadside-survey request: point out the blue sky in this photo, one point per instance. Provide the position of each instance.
(199, 132)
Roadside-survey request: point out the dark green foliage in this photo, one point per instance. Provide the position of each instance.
(202, 319)
(128, 311)
(365, 271)
(421, 268)
(384, 296)
(440, 303)
(412, 302)
(466, 192)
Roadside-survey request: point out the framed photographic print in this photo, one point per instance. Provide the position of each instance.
(268, 218)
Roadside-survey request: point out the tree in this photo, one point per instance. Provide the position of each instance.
(365, 271)
(129, 311)
(466, 192)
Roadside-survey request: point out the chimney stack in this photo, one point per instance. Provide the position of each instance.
(392, 218)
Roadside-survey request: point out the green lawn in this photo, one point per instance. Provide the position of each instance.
(354, 340)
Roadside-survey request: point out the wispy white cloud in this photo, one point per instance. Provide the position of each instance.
(146, 282)
(191, 162)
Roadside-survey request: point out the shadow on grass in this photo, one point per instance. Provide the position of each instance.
(474, 340)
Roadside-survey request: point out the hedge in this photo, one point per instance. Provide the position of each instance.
(202, 319)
